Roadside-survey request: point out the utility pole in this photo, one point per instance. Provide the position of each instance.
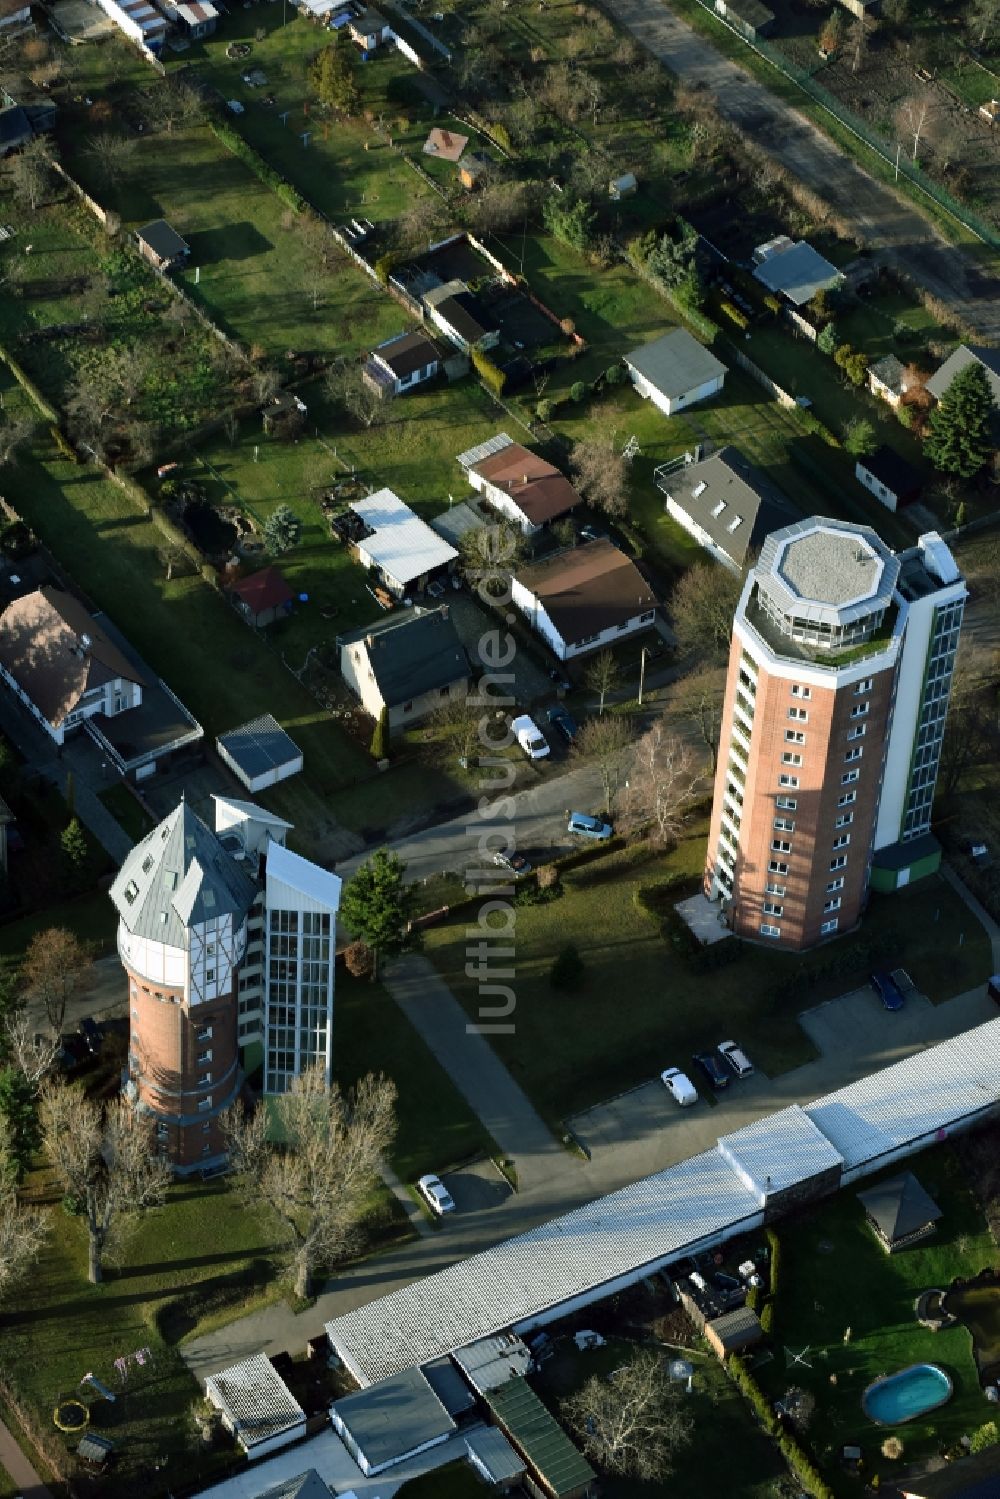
(642, 672)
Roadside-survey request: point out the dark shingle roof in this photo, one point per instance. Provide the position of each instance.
(259, 746)
(729, 480)
(164, 242)
(408, 352)
(412, 653)
(588, 589)
(889, 370)
(467, 315)
(899, 1206)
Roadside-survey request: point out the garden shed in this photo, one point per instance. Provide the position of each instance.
(163, 246)
(494, 1459)
(391, 1421)
(260, 753)
(263, 597)
(554, 1465)
(900, 1212)
(734, 1331)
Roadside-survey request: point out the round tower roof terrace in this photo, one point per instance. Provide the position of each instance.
(828, 572)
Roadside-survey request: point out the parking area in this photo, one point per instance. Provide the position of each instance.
(477, 1187)
(473, 624)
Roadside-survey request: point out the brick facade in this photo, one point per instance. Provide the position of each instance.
(185, 1066)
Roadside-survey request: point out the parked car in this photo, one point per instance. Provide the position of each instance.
(585, 826)
(561, 681)
(888, 990)
(91, 1033)
(530, 737)
(434, 1192)
(708, 1063)
(560, 719)
(680, 1087)
(590, 533)
(516, 863)
(736, 1057)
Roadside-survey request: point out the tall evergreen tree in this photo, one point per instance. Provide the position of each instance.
(376, 906)
(959, 439)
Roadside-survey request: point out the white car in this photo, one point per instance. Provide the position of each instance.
(434, 1192)
(530, 737)
(680, 1087)
(736, 1058)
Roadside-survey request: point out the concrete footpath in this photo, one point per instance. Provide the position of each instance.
(20, 1471)
(477, 1072)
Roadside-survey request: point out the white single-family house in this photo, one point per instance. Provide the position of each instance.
(520, 485)
(675, 371)
(584, 598)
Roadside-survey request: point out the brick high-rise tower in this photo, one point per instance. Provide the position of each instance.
(839, 677)
(228, 940)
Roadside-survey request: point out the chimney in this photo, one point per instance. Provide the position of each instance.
(525, 479)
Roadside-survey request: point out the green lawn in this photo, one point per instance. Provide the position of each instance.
(851, 1304)
(127, 812)
(91, 916)
(57, 1326)
(566, 1056)
(437, 1128)
(722, 1423)
(250, 269)
(455, 1481)
(8, 1488)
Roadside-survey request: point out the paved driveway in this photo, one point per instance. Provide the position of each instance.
(872, 211)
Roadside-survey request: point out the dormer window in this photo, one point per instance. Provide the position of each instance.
(131, 891)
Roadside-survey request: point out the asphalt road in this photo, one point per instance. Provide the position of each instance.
(885, 222)
(537, 828)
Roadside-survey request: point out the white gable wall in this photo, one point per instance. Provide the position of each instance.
(669, 404)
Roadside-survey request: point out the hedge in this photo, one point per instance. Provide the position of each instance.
(29, 387)
(734, 314)
(774, 1258)
(798, 1460)
(491, 375)
(235, 142)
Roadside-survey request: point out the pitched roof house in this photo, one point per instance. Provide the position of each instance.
(403, 362)
(409, 664)
(461, 317)
(962, 357)
(794, 270)
(584, 598)
(369, 29)
(256, 1406)
(445, 144)
(675, 371)
(888, 476)
(726, 504)
(887, 379)
(61, 663)
(162, 246)
(524, 487)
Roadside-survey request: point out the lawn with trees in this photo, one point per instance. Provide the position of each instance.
(566, 1056)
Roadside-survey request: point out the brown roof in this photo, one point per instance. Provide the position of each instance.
(445, 145)
(264, 590)
(589, 589)
(538, 489)
(42, 647)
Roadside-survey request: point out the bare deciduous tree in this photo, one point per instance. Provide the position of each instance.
(22, 1229)
(112, 154)
(489, 555)
(106, 1162)
(912, 116)
(31, 1051)
(15, 431)
(634, 1423)
(860, 33)
(699, 701)
(971, 729)
(31, 171)
(606, 742)
(57, 965)
(173, 101)
(602, 675)
(702, 607)
(662, 781)
(456, 726)
(317, 1182)
(346, 385)
(600, 473)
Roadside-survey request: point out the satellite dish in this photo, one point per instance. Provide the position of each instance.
(681, 1369)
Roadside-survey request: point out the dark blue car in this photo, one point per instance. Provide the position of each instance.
(888, 990)
(708, 1063)
(561, 720)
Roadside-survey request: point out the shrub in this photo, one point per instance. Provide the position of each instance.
(734, 314)
(827, 340)
(548, 877)
(492, 377)
(65, 448)
(384, 266)
(577, 391)
(615, 374)
(772, 303)
(774, 1261)
(904, 416)
(358, 959)
(984, 1436)
(767, 1319)
(543, 411)
(753, 1298)
(892, 1448)
(379, 748)
(567, 971)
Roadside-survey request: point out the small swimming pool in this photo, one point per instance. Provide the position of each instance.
(904, 1396)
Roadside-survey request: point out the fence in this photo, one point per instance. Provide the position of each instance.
(859, 128)
(427, 36)
(801, 325)
(756, 373)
